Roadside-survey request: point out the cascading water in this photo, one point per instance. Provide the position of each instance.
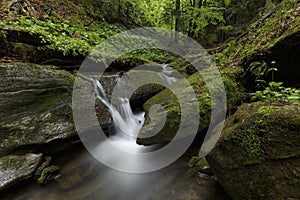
(123, 118)
(126, 124)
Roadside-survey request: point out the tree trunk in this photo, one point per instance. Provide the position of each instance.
(177, 19)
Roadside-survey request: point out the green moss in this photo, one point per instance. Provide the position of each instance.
(202, 163)
(48, 174)
(12, 163)
(251, 145)
(169, 101)
(193, 161)
(69, 80)
(266, 110)
(257, 133)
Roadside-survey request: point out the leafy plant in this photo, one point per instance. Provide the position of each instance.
(61, 35)
(276, 92)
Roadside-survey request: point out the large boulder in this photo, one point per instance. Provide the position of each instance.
(171, 106)
(36, 116)
(257, 156)
(36, 106)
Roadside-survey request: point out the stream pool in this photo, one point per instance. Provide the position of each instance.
(83, 178)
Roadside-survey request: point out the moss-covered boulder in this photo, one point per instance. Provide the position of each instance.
(16, 168)
(172, 110)
(35, 105)
(257, 156)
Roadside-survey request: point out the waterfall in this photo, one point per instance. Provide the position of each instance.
(124, 119)
(126, 125)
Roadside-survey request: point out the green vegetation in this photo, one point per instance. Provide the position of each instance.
(262, 34)
(276, 92)
(195, 161)
(62, 35)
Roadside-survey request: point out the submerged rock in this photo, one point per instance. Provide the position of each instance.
(257, 156)
(16, 168)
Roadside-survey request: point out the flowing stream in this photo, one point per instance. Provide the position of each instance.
(83, 177)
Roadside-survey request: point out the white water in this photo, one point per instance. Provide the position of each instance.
(124, 120)
(126, 124)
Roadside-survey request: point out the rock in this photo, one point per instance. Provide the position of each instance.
(257, 156)
(173, 111)
(48, 174)
(127, 81)
(39, 170)
(134, 82)
(205, 170)
(169, 102)
(16, 168)
(200, 165)
(36, 106)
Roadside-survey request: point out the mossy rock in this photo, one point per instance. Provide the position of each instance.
(169, 102)
(257, 156)
(28, 47)
(36, 106)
